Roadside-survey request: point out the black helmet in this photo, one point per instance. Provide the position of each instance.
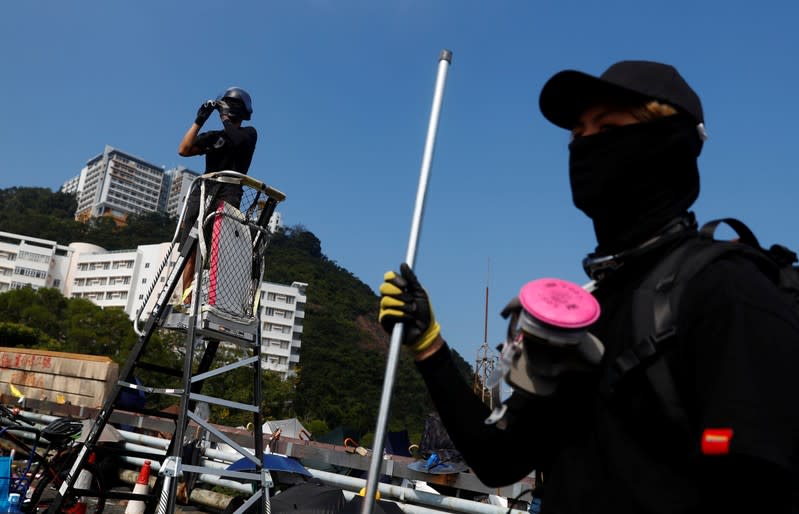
(62, 429)
(240, 106)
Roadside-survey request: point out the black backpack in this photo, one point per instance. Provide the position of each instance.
(657, 301)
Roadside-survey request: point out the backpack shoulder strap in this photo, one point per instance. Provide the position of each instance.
(745, 235)
(773, 262)
(656, 304)
(656, 300)
(788, 281)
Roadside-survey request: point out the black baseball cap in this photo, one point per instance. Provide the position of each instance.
(569, 93)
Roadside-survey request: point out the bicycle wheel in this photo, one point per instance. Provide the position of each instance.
(46, 491)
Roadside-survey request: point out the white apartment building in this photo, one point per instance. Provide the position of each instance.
(179, 180)
(123, 279)
(71, 186)
(281, 325)
(31, 262)
(118, 279)
(117, 184)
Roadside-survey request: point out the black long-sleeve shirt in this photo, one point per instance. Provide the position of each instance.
(736, 363)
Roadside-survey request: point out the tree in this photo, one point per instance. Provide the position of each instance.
(41, 310)
(17, 334)
(39, 212)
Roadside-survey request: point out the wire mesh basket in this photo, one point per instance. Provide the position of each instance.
(233, 241)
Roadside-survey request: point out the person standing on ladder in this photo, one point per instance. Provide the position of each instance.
(229, 149)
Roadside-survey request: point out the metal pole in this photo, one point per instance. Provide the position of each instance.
(396, 335)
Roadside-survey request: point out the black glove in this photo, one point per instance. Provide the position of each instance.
(402, 299)
(204, 112)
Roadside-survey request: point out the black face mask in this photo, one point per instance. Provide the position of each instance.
(634, 179)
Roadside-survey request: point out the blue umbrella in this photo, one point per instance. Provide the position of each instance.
(272, 462)
(438, 466)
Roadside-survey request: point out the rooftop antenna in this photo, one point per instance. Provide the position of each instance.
(484, 365)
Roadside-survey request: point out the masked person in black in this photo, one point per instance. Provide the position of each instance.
(229, 149)
(610, 446)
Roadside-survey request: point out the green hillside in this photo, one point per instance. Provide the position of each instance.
(39, 212)
(343, 354)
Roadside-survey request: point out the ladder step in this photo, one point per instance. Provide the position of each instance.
(227, 329)
(174, 320)
(147, 389)
(213, 325)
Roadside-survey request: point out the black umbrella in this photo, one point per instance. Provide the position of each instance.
(380, 507)
(308, 498)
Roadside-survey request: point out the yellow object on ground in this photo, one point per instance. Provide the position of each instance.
(362, 492)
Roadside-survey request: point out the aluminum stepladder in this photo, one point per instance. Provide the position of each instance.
(231, 242)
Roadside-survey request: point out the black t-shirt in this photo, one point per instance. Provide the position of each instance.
(735, 361)
(230, 149)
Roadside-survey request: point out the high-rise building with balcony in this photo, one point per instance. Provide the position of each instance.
(118, 184)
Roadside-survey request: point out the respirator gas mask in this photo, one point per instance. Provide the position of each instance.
(547, 339)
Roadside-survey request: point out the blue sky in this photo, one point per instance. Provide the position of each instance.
(342, 92)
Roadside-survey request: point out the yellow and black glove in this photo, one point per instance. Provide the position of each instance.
(403, 300)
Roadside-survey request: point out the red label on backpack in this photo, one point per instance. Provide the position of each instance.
(716, 441)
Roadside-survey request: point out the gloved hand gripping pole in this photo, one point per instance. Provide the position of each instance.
(396, 335)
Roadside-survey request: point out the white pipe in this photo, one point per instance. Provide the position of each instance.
(406, 494)
(202, 477)
(401, 494)
(438, 503)
(220, 501)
